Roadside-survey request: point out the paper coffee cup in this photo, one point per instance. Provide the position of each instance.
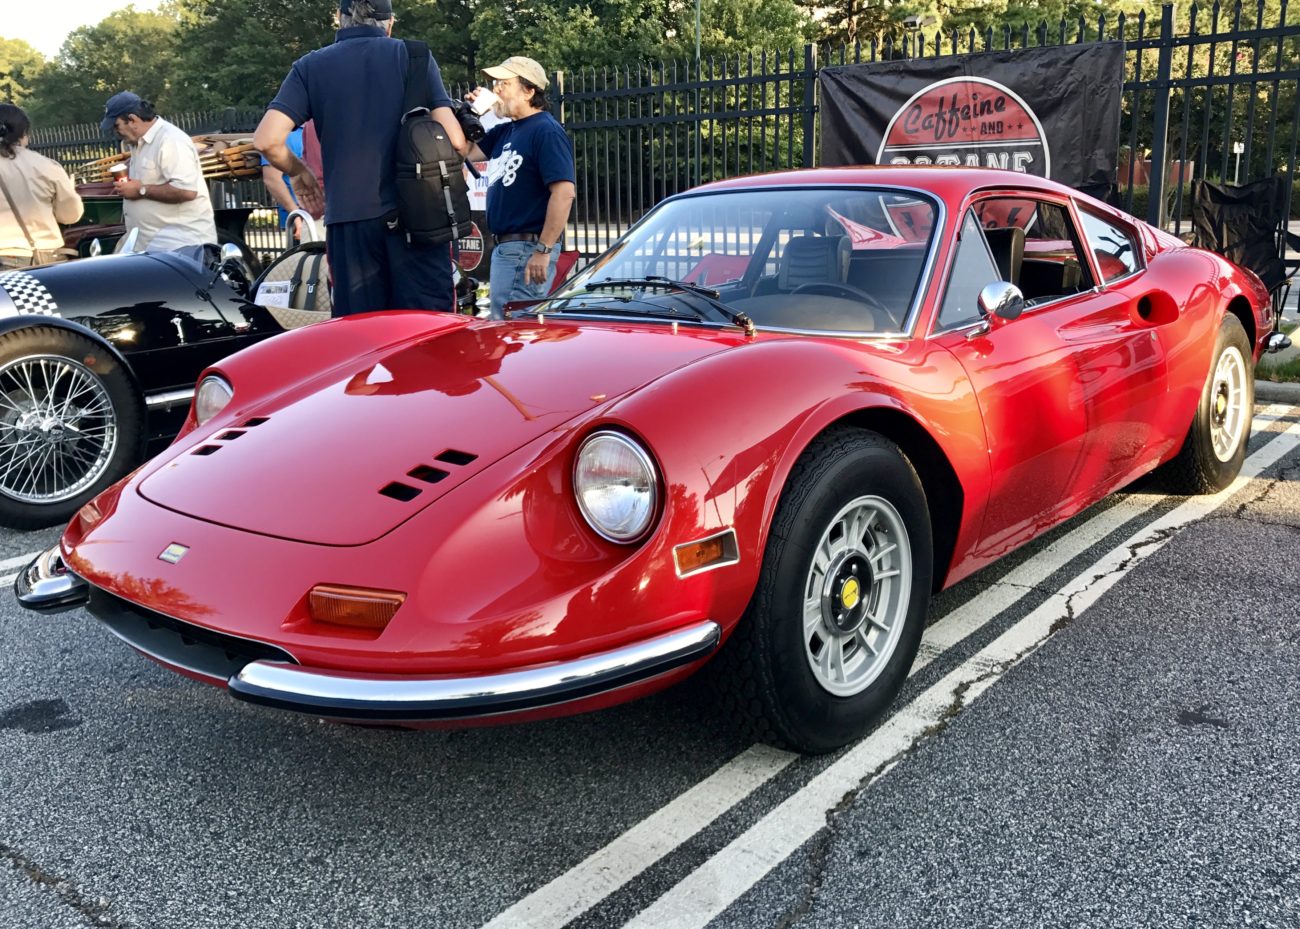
(118, 170)
(484, 101)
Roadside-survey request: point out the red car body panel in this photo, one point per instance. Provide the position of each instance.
(1036, 419)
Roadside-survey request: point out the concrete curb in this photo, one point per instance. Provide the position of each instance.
(1275, 392)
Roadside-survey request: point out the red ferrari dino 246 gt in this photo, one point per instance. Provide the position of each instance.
(767, 424)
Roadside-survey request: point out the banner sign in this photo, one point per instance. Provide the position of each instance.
(1053, 112)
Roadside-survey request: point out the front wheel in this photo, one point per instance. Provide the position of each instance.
(1215, 445)
(836, 619)
(70, 424)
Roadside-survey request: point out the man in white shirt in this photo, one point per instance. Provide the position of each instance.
(164, 189)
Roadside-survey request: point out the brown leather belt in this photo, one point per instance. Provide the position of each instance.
(517, 237)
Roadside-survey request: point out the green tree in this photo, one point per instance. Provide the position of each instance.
(446, 26)
(127, 50)
(237, 52)
(20, 64)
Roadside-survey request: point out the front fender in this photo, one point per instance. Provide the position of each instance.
(754, 410)
(35, 321)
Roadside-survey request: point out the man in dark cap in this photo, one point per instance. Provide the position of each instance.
(164, 194)
(354, 91)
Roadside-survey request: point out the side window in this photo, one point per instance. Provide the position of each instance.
(1116, 254)
(1051, 264)
(972, 270)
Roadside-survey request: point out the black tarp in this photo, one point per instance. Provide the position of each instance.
(1052, 111)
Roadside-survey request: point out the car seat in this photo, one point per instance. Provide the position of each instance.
(1008, 248)
(294, 288)
(810, 259)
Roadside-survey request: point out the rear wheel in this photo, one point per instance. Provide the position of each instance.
(836, 619)
(70, 424)
(1215, 445)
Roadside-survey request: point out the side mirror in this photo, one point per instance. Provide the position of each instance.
(232, 267)
(1001, 300)
(127, 245)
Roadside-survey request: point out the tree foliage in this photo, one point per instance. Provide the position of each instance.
(127, 50)
(20, 65)
(236, 52)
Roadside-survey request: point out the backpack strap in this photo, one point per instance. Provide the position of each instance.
(417, 94)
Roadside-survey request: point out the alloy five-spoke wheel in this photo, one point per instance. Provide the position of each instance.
(1215, 445)
(1228, 410)
(836, 617)
(856, 597)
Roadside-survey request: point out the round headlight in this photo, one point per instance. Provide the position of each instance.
(616, 486)
(211, 398)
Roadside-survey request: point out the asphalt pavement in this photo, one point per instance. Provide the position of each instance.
(1101, 732)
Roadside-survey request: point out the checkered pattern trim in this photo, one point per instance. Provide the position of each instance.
(28, 294)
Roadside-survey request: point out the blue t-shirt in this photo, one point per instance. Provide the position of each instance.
(525, 157)
(295, 145)
(354, 89)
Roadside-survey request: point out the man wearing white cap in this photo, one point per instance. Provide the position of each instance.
(530, 183)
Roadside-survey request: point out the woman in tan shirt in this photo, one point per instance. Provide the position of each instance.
(36, 195)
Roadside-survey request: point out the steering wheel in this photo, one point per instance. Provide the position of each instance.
(847, 291)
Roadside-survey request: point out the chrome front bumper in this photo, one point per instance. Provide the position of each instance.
(47, 586)
(404, 699)
(259, 672)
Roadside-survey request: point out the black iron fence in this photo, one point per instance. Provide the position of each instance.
(1211, 94)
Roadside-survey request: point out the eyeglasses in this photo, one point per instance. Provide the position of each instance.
(501, 82)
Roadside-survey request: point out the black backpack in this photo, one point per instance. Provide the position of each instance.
(432, 196)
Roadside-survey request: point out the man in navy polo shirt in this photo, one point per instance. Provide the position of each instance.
(354, 90)
(530, 183)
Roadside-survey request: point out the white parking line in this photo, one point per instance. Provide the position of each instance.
(709, 890)
(19, 561)
(602, 873)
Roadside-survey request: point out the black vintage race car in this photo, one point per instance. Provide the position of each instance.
(98, 360)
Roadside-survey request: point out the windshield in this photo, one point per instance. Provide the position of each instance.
(825, 259)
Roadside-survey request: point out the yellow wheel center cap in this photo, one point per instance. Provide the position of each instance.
(850, 593)
(1221, 405)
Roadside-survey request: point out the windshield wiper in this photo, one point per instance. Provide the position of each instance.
(666, 283)
(567, 305)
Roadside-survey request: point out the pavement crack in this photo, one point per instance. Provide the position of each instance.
(94, 911)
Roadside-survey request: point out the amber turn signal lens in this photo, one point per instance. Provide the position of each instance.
(698, 554)
(353, 606)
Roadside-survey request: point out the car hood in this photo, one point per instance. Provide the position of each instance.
(347, 456)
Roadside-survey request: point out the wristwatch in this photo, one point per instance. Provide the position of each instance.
(144, 192)
(543, 249)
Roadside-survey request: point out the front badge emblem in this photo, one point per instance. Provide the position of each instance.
(173, 553)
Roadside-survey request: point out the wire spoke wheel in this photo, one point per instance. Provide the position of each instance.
(856, 595)
(58, 429)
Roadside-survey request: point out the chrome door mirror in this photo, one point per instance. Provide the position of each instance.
(126, 244)
(232, 267)
(1003, 300)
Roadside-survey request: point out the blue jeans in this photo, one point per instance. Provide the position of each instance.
(506, 278)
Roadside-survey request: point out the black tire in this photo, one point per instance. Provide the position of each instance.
(1223, 414)
(765, 674)
(51, 466)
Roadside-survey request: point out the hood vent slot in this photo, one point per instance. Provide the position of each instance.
(255, 421)
(399, 491)
(454, 457)
(427, 474)
(206, 449)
